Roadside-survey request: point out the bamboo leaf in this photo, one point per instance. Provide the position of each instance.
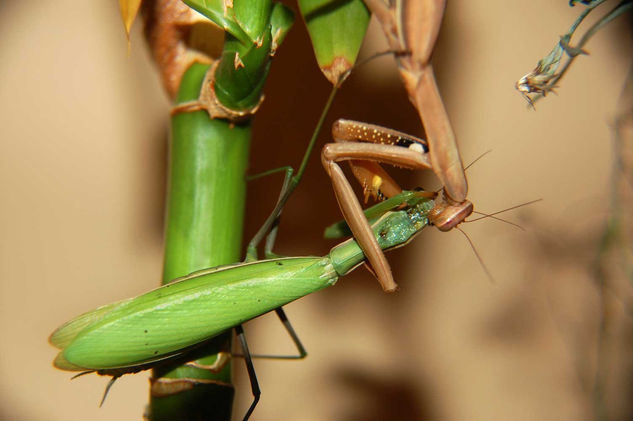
(337, 29)
(281, 20)
(222, 13)
(253, 16)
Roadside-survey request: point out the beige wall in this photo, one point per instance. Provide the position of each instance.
(82, 170)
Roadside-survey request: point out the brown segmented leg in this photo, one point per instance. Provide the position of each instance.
(353, 214)
(448, 211)
(351, 209)
(413, 26)
(352, 131)
(375, 180)
(447, 163)
(386, 154)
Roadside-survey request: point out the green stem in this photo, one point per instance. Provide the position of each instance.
(208, 186)
(611, 240)
(205, 211)
(294, 181)
(583, 15)
(621, 8)
(618, 10)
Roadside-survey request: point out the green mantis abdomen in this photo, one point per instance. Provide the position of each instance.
(163, 322)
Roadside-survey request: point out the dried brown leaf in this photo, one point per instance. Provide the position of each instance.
(129, 10)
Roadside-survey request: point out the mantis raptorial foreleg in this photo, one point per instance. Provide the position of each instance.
(390, 147)
(413, 26)
(384, 150)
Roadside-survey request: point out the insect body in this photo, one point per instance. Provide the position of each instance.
(168, 321)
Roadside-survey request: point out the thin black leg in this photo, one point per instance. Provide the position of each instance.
(301, 351)
(239, 331)
(293, 335)
(107, 390)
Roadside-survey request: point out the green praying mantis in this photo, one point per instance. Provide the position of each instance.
(169, 320)
(172, 321)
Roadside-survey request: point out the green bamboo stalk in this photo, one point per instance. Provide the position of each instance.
(205, 212)
(207, 190)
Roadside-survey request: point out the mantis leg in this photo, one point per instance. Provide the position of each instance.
(248, 358)
(353, 214)
(301, 351)
(413, 26)
(389, 147)
(370, 173)
(251, 371)
(293, 335)
(270, 225)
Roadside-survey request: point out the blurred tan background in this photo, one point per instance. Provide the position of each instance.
(82, 176)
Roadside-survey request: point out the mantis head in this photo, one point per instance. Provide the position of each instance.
(447, 214)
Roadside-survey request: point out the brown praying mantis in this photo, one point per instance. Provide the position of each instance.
(411, 26)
